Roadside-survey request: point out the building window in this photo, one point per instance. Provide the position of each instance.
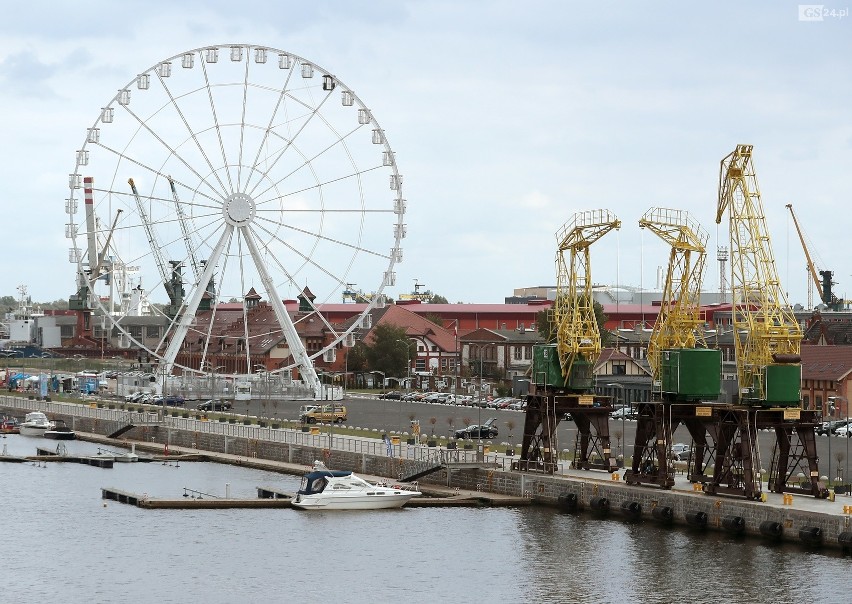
(444, 364)
(135, 331)
(152, 331)
(619, 369)
(806, 401)
(518, 353)
(420, 365)
(66, 331)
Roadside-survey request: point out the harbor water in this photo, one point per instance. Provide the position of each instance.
(62, 542)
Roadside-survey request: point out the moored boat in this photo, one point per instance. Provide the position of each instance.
(60, 431)
(35, 424)
(10, 425)
(324, 489)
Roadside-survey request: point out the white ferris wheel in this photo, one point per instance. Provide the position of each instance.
(227, 168)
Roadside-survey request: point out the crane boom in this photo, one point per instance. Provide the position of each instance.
(823, 285)
(187, 239)
(767, 335)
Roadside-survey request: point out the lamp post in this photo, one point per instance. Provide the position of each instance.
(407, 345)
(623, 402)
(833, 400)
(479, 403)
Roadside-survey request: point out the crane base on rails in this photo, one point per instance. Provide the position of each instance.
(653, 463)
(545, 411)
(725, 456)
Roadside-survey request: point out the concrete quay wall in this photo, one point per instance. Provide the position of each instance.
(809, 521)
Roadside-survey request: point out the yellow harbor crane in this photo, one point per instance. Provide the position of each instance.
(578, 338)
(562, 375)
(767, 336)
(683, 369)
(678, 324)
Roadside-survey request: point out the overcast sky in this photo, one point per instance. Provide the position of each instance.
(506, 119)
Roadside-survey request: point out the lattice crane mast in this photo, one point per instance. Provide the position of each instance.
(766, 334)
(678, 325)
(578, 339)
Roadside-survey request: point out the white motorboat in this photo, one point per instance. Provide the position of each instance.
(35, 424)
(119, 456)
(324, 489)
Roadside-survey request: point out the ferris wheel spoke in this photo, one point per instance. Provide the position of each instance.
(320, 237)
(218, 131)
(297, 348)
(174, 153)
(263, 141)
(341, 282)
(194, 135)
(242, 129)
(307, 162)
(125, 157)
(319, 185)
(290, 142)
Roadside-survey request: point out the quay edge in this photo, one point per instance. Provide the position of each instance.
(808, 521)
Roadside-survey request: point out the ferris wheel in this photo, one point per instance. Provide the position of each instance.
(226, 171)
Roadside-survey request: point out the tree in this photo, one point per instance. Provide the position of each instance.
(390, 350)
(436, 319)
(437, 299)
(547, 327)
(356, 359)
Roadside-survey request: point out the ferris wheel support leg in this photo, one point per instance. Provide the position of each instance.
(188, 312)
(300, 355)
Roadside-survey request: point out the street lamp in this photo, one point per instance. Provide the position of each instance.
(623, 433)
(833, 408)
(479, 403)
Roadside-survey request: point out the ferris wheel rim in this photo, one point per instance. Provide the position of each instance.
(244, 216)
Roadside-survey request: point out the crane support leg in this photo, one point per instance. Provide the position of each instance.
(704, 433)
(794, 467)
(652, 463)
(736, 469)
(592, 449)
(539, 446)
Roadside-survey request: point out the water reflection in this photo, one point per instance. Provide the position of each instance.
(61, 538)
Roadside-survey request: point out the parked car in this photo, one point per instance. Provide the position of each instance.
(831, 427)
(845, 430)
(312, 414)
(486, 430)
(213, 405)
(393, 394)
(174, 400)
(623, 413)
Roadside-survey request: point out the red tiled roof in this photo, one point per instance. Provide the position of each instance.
(826, 362)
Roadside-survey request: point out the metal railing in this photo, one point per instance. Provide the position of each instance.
(289, 436)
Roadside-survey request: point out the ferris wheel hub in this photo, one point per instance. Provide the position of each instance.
(239, 209)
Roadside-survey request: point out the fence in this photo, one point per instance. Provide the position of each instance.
(322, 440)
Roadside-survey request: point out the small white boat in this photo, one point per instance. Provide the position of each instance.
(35, 424)
(324, 489)
(119, 457)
